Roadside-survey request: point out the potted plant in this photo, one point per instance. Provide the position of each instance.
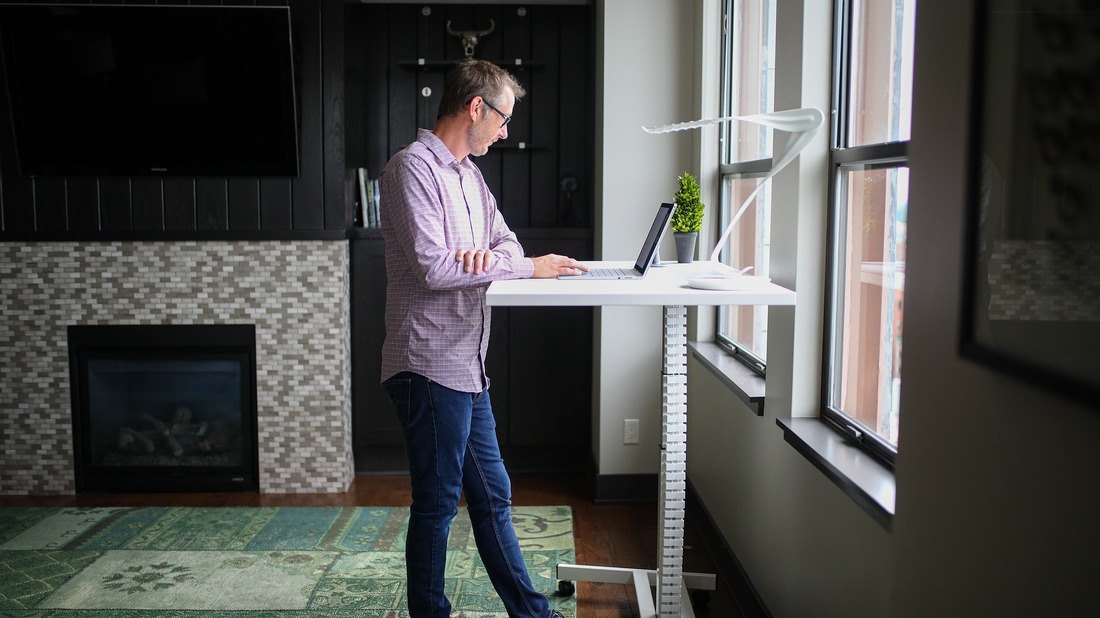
(688, 218)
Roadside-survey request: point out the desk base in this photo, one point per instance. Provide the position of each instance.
(642, 579)
(671, 582)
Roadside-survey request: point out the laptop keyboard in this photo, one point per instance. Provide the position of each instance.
(609, 272)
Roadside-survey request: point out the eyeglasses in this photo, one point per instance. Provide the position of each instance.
(506, 117)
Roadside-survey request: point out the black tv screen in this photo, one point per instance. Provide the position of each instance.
(151, 90)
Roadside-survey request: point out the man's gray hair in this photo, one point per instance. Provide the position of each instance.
(476, 78)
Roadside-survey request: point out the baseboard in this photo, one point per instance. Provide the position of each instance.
(729, 568)
(620, 488)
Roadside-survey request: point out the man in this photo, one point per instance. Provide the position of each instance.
(445, 242)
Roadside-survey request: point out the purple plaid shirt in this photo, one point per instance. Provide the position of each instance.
(437, 323)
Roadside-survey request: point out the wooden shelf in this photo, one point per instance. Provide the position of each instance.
(438, 65)
(531, 233)
(365, 232)
(553, 233)
(510, 145)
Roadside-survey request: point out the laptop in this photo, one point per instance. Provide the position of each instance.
(645, 257)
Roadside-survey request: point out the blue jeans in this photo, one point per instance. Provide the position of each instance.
(451, 442)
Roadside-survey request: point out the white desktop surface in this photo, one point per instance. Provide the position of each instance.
(662, 285)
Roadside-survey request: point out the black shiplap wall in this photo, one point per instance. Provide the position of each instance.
(313, 205)
(554, 120)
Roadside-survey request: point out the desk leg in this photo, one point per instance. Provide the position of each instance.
(670, 580)
(673, 475)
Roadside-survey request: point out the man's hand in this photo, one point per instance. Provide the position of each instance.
(476, 261)
(550, 266)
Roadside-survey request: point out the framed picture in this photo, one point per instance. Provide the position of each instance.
(1031, 303)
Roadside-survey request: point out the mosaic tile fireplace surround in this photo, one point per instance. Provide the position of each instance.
(296, 293)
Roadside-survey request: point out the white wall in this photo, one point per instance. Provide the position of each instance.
(808, 549)
(997, 480)
(646, 75)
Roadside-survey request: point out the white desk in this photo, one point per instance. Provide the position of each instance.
(665, 286)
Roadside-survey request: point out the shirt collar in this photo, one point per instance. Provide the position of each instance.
(437, 147)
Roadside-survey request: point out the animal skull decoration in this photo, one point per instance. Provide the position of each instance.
(469, 38)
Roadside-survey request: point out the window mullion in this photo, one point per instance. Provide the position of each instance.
(746, 169)
(889, 154)
(842, 51)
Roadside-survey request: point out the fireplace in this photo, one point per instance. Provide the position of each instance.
(164, 407)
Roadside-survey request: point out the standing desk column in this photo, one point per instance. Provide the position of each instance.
(669, 578)
(673, 489)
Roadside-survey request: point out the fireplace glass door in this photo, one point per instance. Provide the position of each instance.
(163, 411)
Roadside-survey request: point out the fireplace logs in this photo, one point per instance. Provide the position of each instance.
(184, 442)
(170, 440)
(132, 441)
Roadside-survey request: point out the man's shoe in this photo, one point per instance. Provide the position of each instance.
(555, 614)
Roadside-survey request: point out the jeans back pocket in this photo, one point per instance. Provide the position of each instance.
(399, 390)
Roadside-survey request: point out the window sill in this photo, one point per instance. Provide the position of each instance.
(744, 382)
(863, 478)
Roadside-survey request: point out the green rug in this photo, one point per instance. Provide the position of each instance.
(236, 561)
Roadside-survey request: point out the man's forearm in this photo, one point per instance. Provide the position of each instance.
(451, 273)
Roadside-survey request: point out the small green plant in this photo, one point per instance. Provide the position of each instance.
(688, 216)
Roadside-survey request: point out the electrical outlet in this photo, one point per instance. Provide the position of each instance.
(630, 431)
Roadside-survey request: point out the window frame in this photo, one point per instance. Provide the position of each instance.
(733, 170)
(842, 160)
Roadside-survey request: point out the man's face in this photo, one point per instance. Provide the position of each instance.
(490, 126)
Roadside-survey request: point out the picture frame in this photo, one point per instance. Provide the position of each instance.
(1031, 278)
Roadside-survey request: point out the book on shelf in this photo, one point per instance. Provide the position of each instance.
(367, 214)
(370, 204)
(376, 203)
(364, 204)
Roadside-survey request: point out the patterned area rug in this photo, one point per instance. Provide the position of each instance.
(238, 561)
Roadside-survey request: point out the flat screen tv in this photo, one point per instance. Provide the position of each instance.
(150, 90)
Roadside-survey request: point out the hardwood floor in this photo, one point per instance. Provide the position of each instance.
(616, 535)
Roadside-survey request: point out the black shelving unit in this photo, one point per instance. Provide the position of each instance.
(541, 425)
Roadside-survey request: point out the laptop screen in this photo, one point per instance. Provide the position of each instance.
(656, 231)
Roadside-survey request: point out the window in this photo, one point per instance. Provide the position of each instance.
(873, 73)
(748, 61)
